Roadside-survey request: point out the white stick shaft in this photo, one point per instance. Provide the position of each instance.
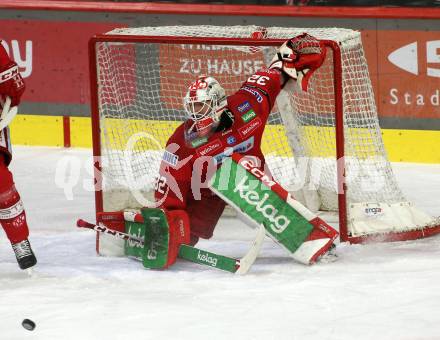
(6, 105)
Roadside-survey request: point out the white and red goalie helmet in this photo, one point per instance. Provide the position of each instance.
(204, 102)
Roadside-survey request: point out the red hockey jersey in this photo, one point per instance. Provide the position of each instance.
(182, 182)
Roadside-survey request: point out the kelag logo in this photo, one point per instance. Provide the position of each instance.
(407, 58)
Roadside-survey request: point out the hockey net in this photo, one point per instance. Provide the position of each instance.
(323, 145)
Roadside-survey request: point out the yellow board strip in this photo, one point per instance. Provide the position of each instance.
(81, 132)
(418, 146)
(37, 130)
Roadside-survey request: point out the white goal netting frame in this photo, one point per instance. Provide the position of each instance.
(324, 146)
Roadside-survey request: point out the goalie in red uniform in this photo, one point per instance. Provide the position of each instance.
(216, 123)
(12, 214)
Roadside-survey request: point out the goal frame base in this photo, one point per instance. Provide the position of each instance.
(394, 236)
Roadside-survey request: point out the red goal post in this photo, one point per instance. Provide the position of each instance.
(128, 106)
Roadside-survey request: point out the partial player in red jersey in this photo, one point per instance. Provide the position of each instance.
(12, 214)
(218, 126)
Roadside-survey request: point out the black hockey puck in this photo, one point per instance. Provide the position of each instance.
(28, 324)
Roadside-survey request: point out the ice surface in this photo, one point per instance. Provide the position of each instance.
(378, 291)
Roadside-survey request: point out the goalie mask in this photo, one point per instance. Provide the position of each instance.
(204, 102)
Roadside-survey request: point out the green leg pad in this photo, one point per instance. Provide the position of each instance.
(155, 232)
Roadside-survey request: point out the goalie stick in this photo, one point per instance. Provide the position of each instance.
(238, 266)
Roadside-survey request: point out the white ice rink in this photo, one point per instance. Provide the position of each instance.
(378, 291)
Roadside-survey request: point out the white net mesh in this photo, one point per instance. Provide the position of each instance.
(141, 86)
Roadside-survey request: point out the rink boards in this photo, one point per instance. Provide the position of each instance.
(417, 146)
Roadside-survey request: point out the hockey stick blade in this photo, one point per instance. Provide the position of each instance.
(248, 260)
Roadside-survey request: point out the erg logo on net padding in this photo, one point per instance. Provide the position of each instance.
(374, 212)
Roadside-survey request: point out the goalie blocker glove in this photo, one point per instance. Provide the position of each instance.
(161, 232)
(298, 58)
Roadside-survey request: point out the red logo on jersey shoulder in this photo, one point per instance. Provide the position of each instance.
(209, 148)
(250, 127)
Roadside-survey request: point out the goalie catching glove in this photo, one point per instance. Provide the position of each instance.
(298, 58)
